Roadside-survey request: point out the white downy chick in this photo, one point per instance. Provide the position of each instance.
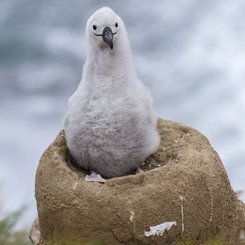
(110, 125)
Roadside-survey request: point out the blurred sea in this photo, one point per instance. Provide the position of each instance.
(191, 54)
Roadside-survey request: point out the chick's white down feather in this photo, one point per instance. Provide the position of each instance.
(110, 125)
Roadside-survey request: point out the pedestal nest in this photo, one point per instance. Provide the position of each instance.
(183, 195)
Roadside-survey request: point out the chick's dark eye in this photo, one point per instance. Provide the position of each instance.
(94, 27)
(116, 25)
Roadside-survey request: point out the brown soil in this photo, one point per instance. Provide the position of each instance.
(184, 181)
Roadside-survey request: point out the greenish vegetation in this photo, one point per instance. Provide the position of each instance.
(8, 233)
(216, 241)
(213, 241)
(72, 241)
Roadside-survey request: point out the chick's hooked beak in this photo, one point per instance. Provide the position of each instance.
(108, 36)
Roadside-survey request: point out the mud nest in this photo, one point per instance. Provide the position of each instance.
(184, 184)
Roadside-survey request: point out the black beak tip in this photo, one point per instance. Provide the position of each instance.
(108, 36)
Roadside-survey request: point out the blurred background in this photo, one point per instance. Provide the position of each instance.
(191, 55)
